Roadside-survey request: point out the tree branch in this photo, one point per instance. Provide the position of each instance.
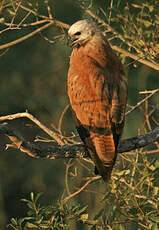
(53, 150)
(66, 26)
(150, 92)
(136, 58)
(54, 22)
(37, 122)
(120, 50)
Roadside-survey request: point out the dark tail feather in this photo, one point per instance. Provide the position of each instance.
(106, 175)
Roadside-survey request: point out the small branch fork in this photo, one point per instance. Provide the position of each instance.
(57, 149)
(151, 93)
(38, 123)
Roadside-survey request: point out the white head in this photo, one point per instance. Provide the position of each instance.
(81, 32)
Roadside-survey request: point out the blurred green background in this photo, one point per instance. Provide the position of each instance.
(33, 77)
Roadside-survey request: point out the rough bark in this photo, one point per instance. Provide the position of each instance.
(52, 150)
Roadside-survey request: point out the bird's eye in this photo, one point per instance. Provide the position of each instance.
(77, 33)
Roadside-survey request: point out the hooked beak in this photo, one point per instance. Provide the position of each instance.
(71, 41)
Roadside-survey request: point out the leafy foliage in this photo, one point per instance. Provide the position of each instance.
(140, 23)
(130, 202)
(50, 217)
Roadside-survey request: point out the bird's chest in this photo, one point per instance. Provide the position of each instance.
(81, 98)
(79, 89)
(84, 90)
(79, 86)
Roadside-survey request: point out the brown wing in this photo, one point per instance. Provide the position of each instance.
(119, 100)
(113, 97)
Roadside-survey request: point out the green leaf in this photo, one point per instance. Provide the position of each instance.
(45, 226)
(30, 225)
(25, 200)
(122, 172)
(81, 210)
(150, 7)
(38, 196)
(155, 191)
(157, 161)
(121, 227)
(155, 219)
(136, 6)
(145, 22)
(40, 218)
(75, 208)
(153, 226)
(2, 20)
(30, 205)
(84, 217)
(32, 196)
(31, 213)
(21, 220)
(11, 12)
(14, 221)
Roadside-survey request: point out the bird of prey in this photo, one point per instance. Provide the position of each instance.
(97, 89)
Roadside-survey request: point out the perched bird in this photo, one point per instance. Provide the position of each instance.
(97, 90)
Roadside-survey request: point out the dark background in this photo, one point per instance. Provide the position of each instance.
(33, 76)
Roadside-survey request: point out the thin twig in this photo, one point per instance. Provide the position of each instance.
(56, 23)
(49, 10)
(61, 118)
(37, 122)
(81, 189)
(110, 13)
(9, 44)
(68, 165)
(1, 5)
(135, 57)
(142, 101)
(28, 24)
(16, 10)
(148, 91)
(101, 21)
(25, 17)
(134, 169)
